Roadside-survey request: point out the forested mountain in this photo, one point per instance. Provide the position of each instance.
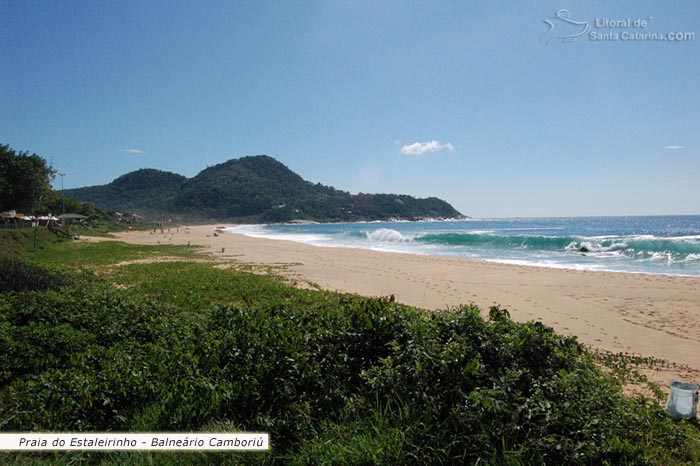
(147, 191)
(251, 189)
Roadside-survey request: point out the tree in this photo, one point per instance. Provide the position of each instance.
(25, 180)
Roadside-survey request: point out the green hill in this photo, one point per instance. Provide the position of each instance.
(147, 191)
(257, 188)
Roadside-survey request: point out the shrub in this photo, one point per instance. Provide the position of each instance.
(334, 379)
(17, 275)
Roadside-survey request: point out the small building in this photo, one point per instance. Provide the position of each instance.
(69, 219)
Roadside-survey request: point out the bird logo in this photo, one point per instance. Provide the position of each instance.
(567, 30)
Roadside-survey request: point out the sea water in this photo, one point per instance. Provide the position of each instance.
(656, 245)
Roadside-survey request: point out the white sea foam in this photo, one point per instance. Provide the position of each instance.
(259, 231)
(386, 234)
(596, 247)
(248, 230)
(545, 263)
(632, 253)
(690, 239)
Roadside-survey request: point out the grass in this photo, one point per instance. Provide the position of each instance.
(15, 243)
(99, 254)
(334, 378)
(102, 230)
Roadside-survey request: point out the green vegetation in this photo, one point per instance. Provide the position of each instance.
(147, 191)
(16, 243)
(25, 180)
(334, 378)
(251, 189)
(86, 254)
(25, 187)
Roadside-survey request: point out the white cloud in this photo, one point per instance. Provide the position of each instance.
(133, 151)
(418, 148)
(675, 147)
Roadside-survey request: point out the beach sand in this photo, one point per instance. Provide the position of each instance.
(648, 315)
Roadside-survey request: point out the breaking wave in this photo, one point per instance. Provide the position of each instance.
(636, 247)
(386, 234)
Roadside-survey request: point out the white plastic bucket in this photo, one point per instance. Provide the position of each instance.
(682, 403)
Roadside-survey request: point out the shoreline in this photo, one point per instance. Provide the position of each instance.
(493, 261)
(598, 259)
(644, 314)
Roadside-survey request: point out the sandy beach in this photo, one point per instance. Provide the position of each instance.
(649, 315)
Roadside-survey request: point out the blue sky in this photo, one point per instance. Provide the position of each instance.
(462, 100)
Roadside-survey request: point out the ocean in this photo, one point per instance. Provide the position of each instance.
(655, 245)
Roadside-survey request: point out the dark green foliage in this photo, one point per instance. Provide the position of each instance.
(25, 186)
(16, 275)
(16, 242)
(55, 202)
(147, 191)
(334, 379)
(244, 187)
(252, 189)
(45, 330)
(24, 180)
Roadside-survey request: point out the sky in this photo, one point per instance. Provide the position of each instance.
(504, 109)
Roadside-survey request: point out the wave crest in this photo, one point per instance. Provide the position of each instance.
(386, 234)
(634, 247)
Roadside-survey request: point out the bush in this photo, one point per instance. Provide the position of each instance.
(16, 275)
(334, 379)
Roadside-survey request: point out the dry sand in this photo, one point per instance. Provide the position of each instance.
(649, 315)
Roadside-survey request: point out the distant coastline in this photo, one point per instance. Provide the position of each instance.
(256, 189)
